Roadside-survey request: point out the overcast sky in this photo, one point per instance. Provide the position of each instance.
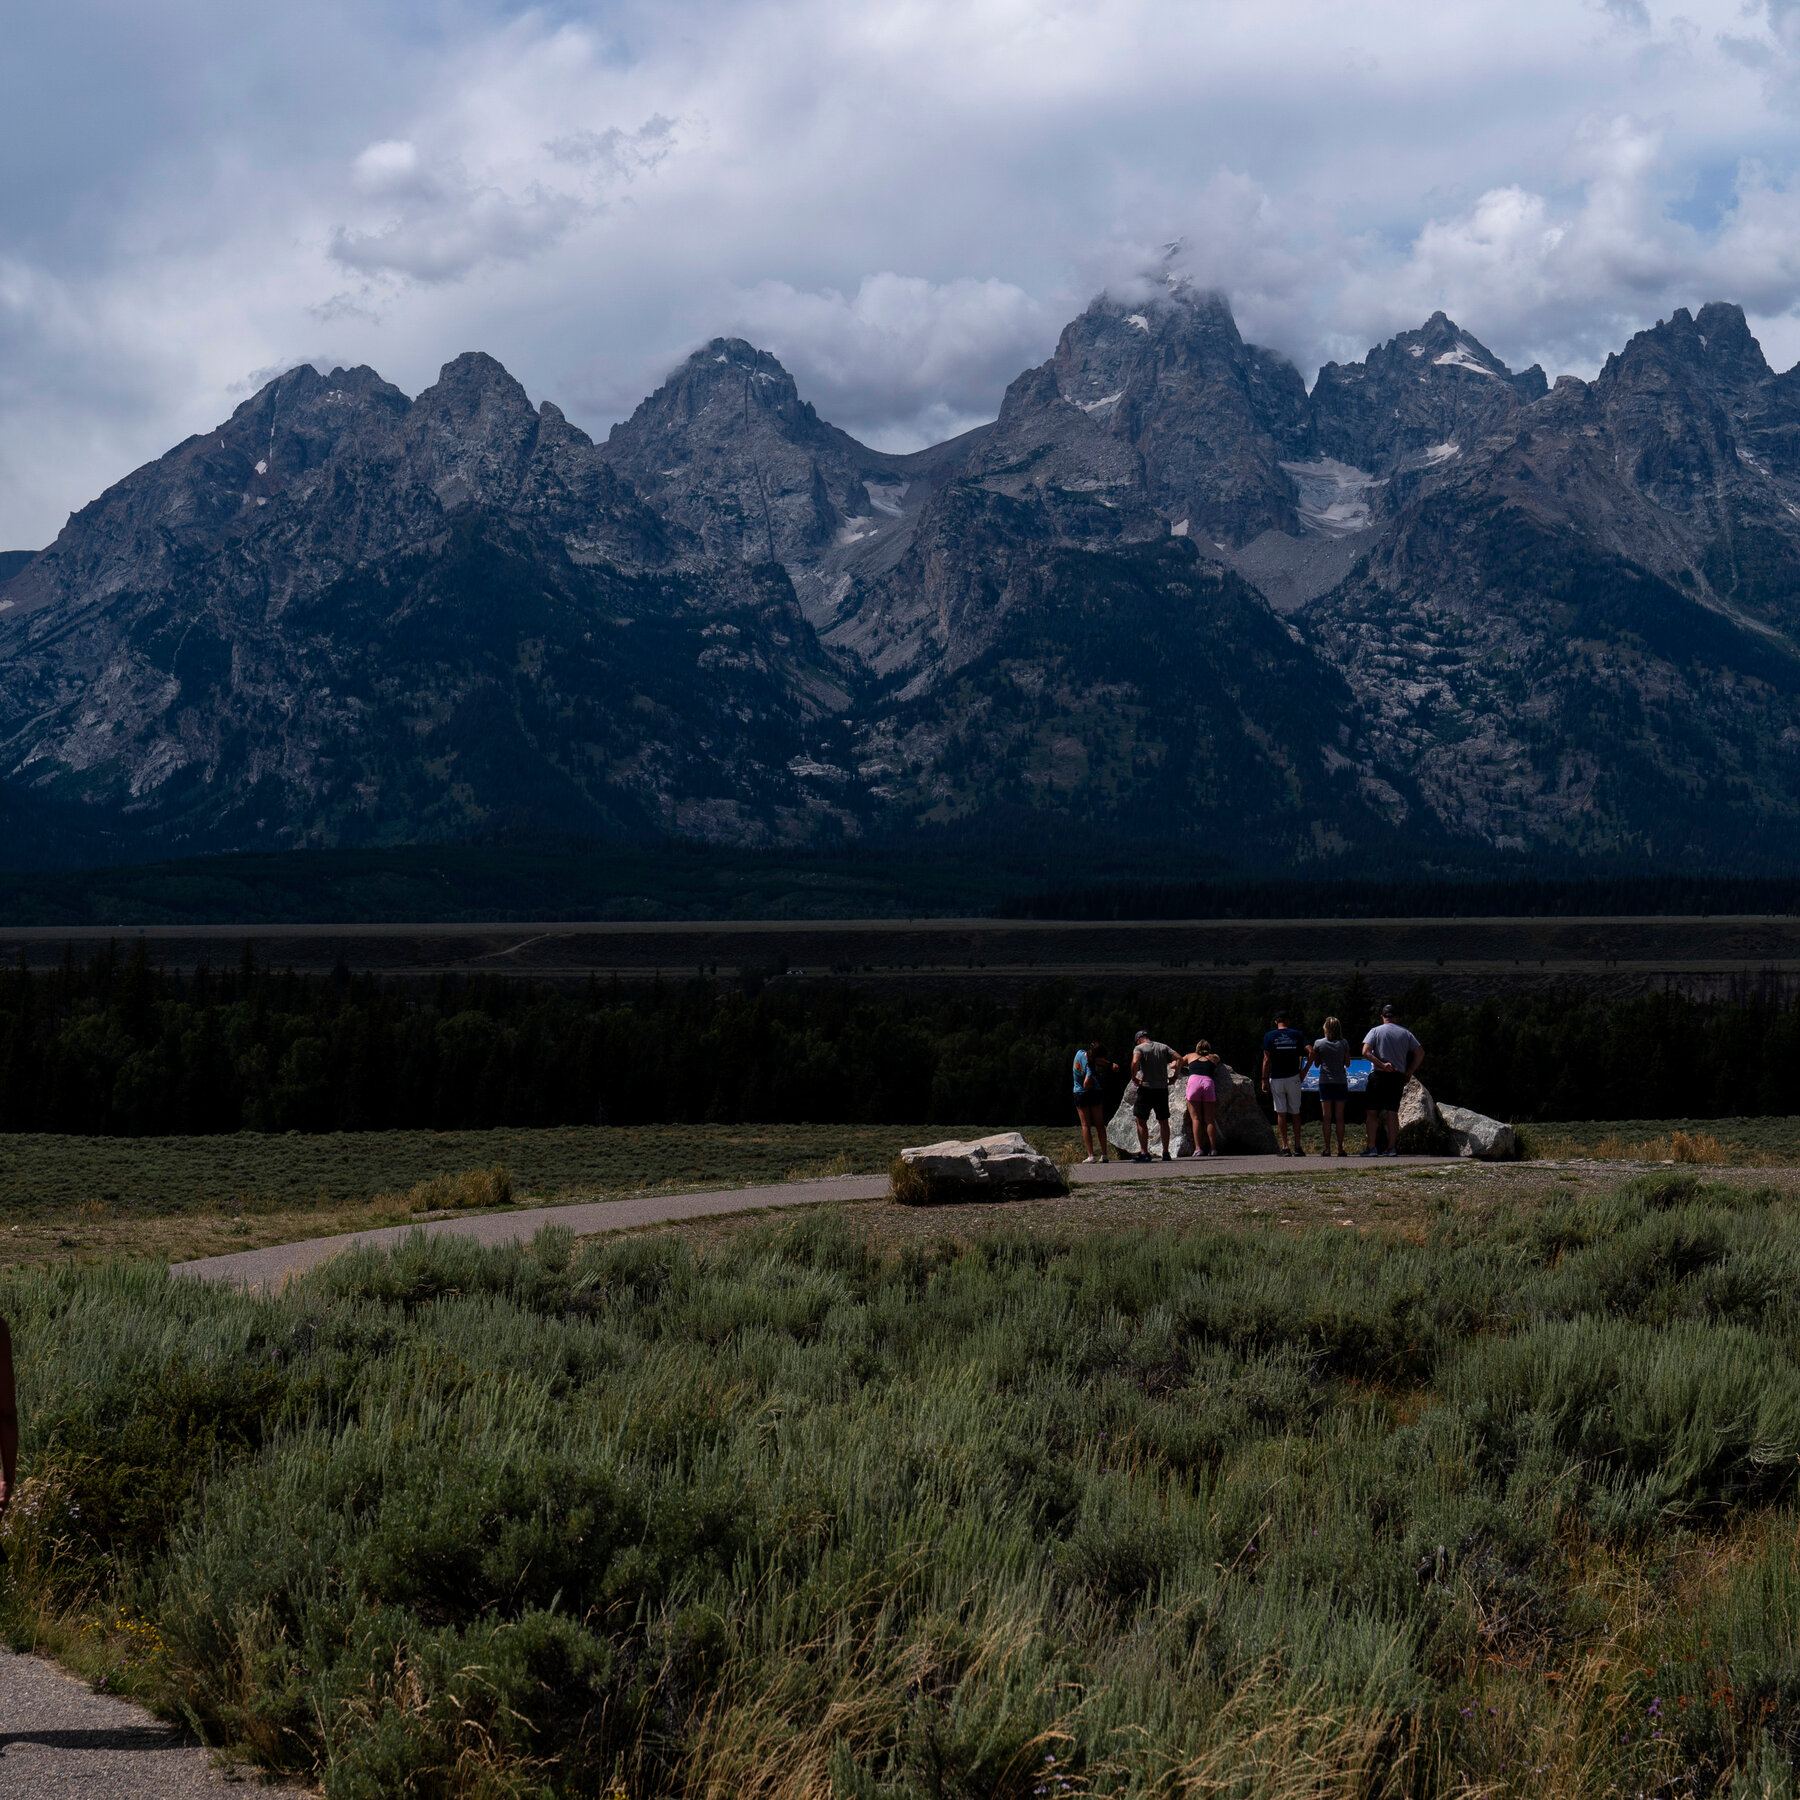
(903, 200)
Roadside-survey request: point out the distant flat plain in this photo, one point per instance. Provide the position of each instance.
(1711, 956)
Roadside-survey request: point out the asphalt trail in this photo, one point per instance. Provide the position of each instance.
(267, 1269)
(59, 1740)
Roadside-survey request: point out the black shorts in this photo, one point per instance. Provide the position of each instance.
(1334, 1096)
(1151, 1100)
(1385, 1088)
(1090, 1101)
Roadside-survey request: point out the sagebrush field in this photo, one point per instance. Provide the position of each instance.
(1509, 1510)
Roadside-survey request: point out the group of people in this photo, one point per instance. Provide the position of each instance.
(1393, 1053)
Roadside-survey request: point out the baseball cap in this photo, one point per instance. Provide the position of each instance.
(1389, 1010)
(1140, 1037)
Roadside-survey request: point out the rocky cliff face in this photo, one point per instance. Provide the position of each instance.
(727, 449)
(1579, 629)
(1515, 617)
(346, 617)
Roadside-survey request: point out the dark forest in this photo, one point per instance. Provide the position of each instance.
(118, 1046)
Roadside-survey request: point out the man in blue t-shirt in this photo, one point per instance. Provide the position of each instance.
(1286, 1058)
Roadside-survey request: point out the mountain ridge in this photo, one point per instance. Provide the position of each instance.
(1168, 589)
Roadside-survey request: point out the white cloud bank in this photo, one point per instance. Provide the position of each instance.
(903, 203)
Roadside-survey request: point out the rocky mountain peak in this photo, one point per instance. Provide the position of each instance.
(1715, 350)
(1422, 398)
(1161, 411)
(727, 448)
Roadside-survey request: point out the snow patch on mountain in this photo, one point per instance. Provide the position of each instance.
(1333, 496)
(1459, 358)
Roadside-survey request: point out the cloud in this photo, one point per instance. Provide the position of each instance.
(904, 203)
(903, 359)
(442, 223)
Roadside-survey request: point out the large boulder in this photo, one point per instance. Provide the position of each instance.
(1475, 1134)
(1243, 1128)
(1428, 1129)
(1418, 1108)
(982, 1168)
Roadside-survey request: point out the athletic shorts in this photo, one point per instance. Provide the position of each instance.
(1285, 1091)
(1200, 1091)
(1151, 1100)
(1385, 1088)
(1334, 1096)
(1090, 1102)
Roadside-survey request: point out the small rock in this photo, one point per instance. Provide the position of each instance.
(956, 1170)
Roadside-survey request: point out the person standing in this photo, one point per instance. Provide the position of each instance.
(1203, 1100)
(9, 1423)
(1331, 1057)
(1284, 1065)
(1090, 1101)
(1150, 1070)
(1397, 1056)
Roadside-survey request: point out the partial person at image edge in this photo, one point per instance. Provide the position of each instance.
(9, 1423)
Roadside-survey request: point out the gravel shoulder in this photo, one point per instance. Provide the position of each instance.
(59, 1740)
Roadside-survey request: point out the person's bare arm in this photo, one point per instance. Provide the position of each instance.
(1416, 1061)
(9, 1422)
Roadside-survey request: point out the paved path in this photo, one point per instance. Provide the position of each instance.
(269, 1268)
(61, 1741)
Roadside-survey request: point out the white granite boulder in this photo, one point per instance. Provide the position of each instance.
(958, 1170)
(1475, 1134)
(1417, 1107)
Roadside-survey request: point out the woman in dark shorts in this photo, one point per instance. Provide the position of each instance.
(1202, 1100)
(1090, 1101)
(1331, 1057)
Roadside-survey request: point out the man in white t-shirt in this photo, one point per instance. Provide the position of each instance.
(1396, 1056)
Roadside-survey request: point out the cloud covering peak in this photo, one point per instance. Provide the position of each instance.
(904, 204)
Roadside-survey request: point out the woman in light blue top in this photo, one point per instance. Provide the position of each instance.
(1090, 1101)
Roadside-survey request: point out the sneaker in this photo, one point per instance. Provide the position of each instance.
(1167, 1157)
(1144, 1156)
(1283, 1150)
(1089, 1159)
(1371, 1151)
(1390, 1153)
(1343, 1153)
(1299, 1150)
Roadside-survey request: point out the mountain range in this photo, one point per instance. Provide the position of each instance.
(1431, 609)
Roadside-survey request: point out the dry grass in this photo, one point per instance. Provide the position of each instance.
(473, 1188)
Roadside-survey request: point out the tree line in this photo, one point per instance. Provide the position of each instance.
(118, 1046)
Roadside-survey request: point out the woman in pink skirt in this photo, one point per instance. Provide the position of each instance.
(1202, 1100)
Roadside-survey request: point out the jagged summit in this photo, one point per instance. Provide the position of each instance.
(1516, 616)
(1421, 396)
